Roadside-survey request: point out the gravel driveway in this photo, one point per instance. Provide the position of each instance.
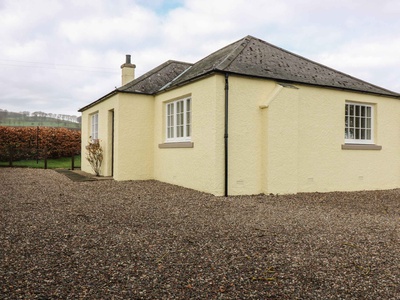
(61, 239)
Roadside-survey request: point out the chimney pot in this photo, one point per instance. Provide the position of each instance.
(128, 58)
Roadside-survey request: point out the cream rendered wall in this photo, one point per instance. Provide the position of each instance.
(134, 139)
(104, 130)
(305, 134)
(85, 133)
(282, 144)
(200, 167)
(247, 135)
(133, 136)
(293, 145)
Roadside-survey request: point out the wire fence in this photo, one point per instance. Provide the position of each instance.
(17, 156)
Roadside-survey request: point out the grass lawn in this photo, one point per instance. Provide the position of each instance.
(63, 163)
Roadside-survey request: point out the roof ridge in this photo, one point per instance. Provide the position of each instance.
(244, 42)
(221, 49)
(176, 78)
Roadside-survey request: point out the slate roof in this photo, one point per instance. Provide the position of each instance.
(148, 83)
(249, 57)
(254, 57)
(156, 79)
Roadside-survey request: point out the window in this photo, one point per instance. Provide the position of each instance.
(95, 126)
(178, 117)
(359, 123)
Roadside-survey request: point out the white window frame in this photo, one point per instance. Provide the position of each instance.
(359, 123)
(178, 116)
(94, 125)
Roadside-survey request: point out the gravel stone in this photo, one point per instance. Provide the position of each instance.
(61, 239)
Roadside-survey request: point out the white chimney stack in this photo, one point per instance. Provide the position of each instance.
(128, 70)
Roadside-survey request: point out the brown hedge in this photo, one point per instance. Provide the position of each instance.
(22, 142)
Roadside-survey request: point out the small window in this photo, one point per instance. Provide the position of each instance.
(95, 127)
(359, 124)
(178, 120)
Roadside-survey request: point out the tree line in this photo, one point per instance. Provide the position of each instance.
(26, 115)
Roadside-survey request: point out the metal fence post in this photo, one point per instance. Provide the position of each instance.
(45, 157)
(73, 162)
(10, 156)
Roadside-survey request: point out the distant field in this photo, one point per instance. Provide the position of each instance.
(62, 163)
(45, 123)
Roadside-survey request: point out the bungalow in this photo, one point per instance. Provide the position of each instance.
(249, 118)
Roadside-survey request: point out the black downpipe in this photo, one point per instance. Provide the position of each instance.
(226, 131)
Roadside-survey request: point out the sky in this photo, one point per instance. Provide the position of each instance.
(57, 56)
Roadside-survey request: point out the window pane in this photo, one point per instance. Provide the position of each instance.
(179, 119)
(358, 122)
(95, 126)
(187, 130)
(180, 107)
(362, 122)
(362, 134)
(351, 133)
(170, 120)
(357, 110)
(362, 110)
(351, 121)
(351, 110)
(368, 125)
(357, 134)
(368, 111)
(188, 117)
(368, 134)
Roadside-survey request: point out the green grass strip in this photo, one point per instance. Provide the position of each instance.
(63, 163)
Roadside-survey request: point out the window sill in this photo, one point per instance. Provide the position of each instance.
(176, 145)
(361, 147)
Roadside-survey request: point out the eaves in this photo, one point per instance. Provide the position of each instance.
(107, 96)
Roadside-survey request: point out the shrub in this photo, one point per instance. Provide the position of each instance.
(94, 155)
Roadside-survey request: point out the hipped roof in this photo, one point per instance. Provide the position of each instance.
(149, 83)
(254, 57)
(247, 57)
